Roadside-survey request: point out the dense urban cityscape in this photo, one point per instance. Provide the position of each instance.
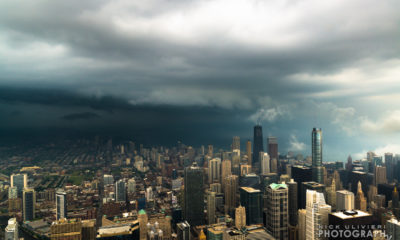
(99, 189)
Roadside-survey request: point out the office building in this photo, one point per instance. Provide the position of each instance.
(344, 200)
(211, 208)
(380, 175)
(310, 186)
(226, 170)
(194, 195)
(66, 229)
(240, 217)
(302, 224)
(331, 194)
(120, 191)
(131, 185)
(236, 143)
(317, 171)
(265, 163)
(108, 179)
(258, 146)
(28, 201)
(277, 210)
(183, 231)
(272, 144)
(248, 152)
(316, 213)
(292, 202)
(393, 229)
(301, 174)
(251, 199)
(11, 231)
(214, 170)
(61, 205)
(389, 164)
(231, 187)
(360, 201)
(357, 220)
(20, 181)
(210, 151)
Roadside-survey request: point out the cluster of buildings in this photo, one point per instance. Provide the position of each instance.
(128, 192)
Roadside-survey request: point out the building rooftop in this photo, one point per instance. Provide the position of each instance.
(276, 186)
(250, 189)
(351, 214)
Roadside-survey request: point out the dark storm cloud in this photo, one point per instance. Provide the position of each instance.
(80, 116)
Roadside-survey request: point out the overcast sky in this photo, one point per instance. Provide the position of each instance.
(204, 71)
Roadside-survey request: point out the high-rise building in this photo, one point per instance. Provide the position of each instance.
(380, 175)
(292, 198)
(108, 179)
(301, 174)
(389, 164)
(131, 185)
(183, 231)
(210, 151)
(393, 229)
(272, 144)
(258, 145)
(359, 222)
(63, 229)
(236, 143)
(316, 143)
(245, 170)
(302, 224)
(211, 208)
(277, 210)
(194, 195)
(310, 186)
(349, 164)
(236, 161)
(316, 214)
(360, 201)
(61, 205)
(251, 199)
(226, 170)
(11, 231)
(20, 181)
(143, 221)
(265, 163)
(120, 191)
(344, 200)
(28, 201)
(214, 170)
(240, 217)
(248, 152)
(231, 187)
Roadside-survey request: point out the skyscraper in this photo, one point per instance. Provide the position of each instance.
(11, 231)
(258, 145)
(344, 200)
(277, 210)
(389, 163)
(265, 163)
(248, 152)
(20, 181)
(251, 199)
(380, 175)
(131, 185)
(226, 170)
(29, 201)
(292, 202)
(214, 170)
(240, 217)
(61, 205)
(361, 201)
(317, 155)
(305, 186)
(231, 186)
(272, 144)
(302, 224)
(316, 213)
(120, 191)
(211, 208)
(183, 231)
(236, 143)
(194, 195)
(393, 229)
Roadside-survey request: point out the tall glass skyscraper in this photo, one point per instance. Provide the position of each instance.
(194, 195)
(317, 171)
(257, 146)
(61, 205)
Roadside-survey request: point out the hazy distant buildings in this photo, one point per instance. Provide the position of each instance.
(194, 195)
(380, 175)
(317, 171)
(214, 170)
(248, 152)
(236, 143)
(231, 187)
(20, 181)
(360, 201)
(272, 143)
(258, 145)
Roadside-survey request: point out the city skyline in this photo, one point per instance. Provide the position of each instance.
(127, 67)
